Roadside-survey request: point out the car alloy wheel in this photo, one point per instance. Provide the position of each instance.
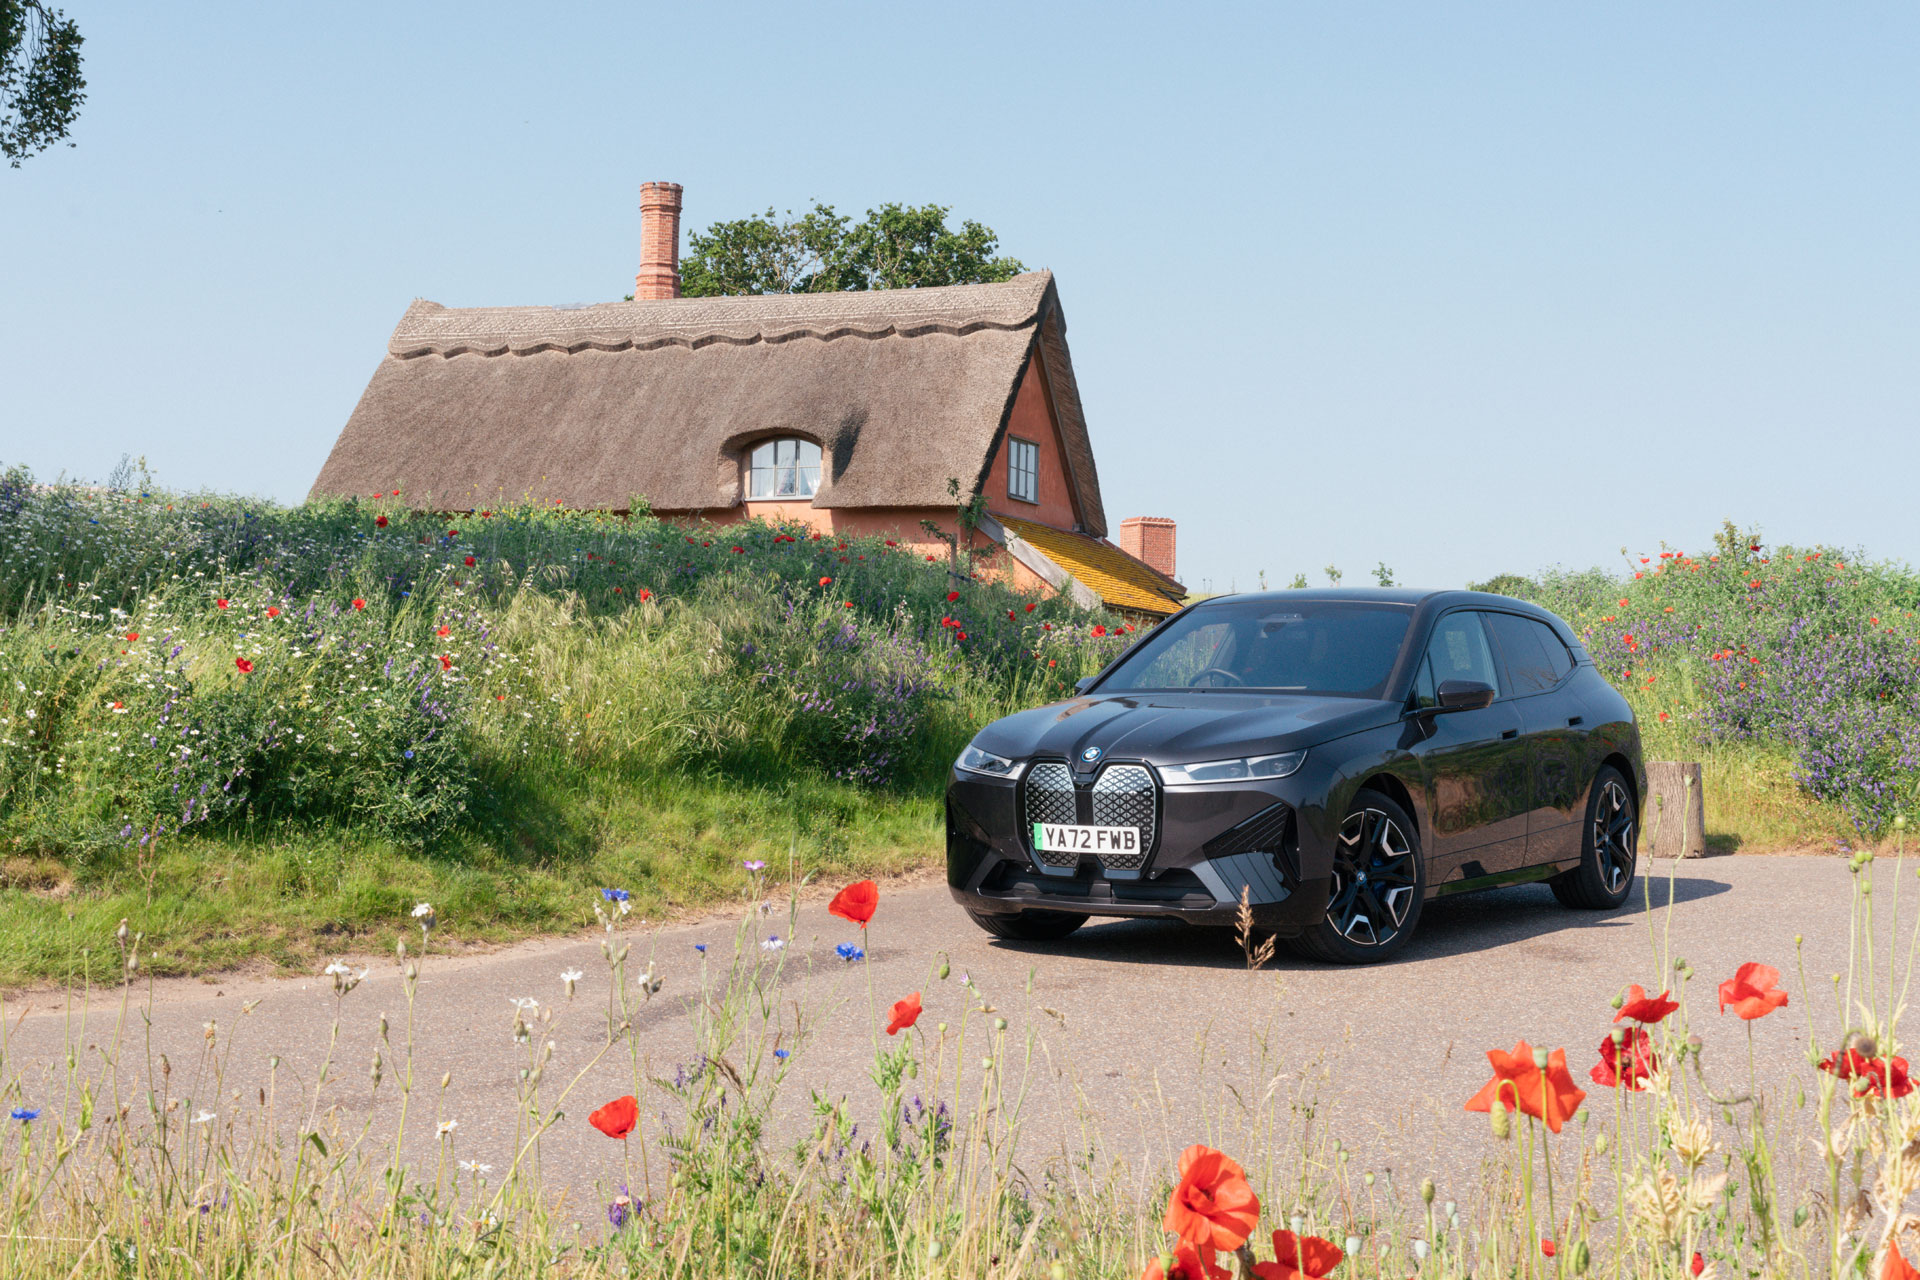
(1375, 879)
(1613, 843)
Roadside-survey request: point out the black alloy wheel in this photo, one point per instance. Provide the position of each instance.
(1377, 888)
(1609, 848)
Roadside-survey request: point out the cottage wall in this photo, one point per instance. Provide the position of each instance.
(1032, 419)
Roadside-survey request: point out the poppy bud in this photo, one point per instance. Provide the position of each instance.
(1058, 1271)
(1368, 1179)
(1426, 1190)
(933, 1248)
(1502, 1127)
(446, 1079)
(999, 1024)
(1800, 1216)
(1420, 1250)
(1900, 822)
(1581, 1257)
(1600, 1145)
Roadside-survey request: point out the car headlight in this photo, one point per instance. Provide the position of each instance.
(974, 760)
(1244, 769)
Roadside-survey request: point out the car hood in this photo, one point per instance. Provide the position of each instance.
(1182, 728)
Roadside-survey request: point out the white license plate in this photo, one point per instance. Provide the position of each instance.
(1056, 837)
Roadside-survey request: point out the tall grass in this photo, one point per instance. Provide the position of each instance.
(361, 703)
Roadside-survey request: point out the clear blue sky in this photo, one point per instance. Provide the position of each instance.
(1464, 288)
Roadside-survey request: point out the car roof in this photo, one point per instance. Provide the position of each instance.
(1425, 602)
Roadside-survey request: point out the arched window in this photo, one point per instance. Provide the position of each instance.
(783, 469)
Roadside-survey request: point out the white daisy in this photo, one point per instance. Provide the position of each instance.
(447, 1127)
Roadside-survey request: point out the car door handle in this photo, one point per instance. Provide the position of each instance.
(1575, 720)
(1509, 735)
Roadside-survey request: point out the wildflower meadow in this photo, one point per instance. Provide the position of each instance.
(332, 708)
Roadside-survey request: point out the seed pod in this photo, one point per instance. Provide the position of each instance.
(1426, 1190)
(943, 971)
(1581, 1257)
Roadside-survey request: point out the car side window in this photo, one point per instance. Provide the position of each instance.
(1522, 643)
(1457, 651)
(1559, 661)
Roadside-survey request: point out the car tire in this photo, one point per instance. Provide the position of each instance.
(1028, 926)
(1609, 848)
(1380, 838)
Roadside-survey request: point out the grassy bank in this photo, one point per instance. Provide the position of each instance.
(262, 728)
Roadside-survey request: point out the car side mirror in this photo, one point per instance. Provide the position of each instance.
(1084, 683)
(1463, 695)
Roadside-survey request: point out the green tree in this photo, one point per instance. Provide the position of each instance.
(41, 87)
(894, 247)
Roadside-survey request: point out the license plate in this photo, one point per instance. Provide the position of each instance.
(1054, 837)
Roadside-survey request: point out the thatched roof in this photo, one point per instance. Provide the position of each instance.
(592, 405)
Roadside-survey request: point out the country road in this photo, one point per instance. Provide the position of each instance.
(1124, 1012)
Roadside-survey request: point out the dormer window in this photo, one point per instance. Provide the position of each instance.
(783, 469)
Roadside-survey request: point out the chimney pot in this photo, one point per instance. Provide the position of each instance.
(1149, 539)
(659, 242)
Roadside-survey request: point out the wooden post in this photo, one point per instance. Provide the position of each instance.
(1676, 808)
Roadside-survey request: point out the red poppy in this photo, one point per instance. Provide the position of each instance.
(1189, 1263)
(1299, 1258)
(856, 902)
(273, 611)
(219, 604)
(379, 522)
(446, 662)
(739, 551)
(1053, 662)
(1663, 716)
(1009, 615)
(1550, 1096)
(358, 603)
(396, 493)
(1212, 1205)
(132, 636)
(826, 582)
(617, 1118)
(444, 631)
(892, 543)
(1630, 1063)
(929, 559)
(469, 562)
(1895, 1267)
(1623, 604)
(1752, 991)
(1697, 1266)
(486, 515)
(1547, 1248)
(246, 668)
(963, 635)
(1029, 606)
(905, 1014)
(453, 533)
(1884, 1077)
(952, 596)
(1642, 1007)
(644, 593)
(1099, 630)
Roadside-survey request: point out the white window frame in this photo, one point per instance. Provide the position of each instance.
(783, 469)
(1023, 482)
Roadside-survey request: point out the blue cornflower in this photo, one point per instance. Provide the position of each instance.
(615, 895)
(25, 1115)
(701, 947)
(408, 753)
(781, 1054)
(848, 952)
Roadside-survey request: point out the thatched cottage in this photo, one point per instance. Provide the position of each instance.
(849, 412)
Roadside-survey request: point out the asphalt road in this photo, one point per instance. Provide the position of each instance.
(1125, 1012)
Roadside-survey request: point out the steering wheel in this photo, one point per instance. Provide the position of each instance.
(1221, 672)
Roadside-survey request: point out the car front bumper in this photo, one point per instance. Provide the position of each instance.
(1266, 838)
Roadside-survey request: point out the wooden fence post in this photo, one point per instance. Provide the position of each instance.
(1676, 809)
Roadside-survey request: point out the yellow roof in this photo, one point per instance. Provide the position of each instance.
(1104, 569)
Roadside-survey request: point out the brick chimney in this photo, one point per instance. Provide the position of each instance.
(659, 242)
(1150, 539)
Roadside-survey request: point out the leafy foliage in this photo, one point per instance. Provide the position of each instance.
(41, 87)
(895, 247)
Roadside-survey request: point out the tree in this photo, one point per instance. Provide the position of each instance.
(41, 87)
(895, 247)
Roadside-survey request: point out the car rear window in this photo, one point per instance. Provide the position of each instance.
(1314, 647)
(1536, 659)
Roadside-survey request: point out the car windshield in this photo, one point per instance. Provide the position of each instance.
(1317, 647)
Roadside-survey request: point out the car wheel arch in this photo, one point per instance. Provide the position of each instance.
(1624, 766)
(1390, 786)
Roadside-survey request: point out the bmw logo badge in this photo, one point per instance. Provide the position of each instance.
(1090, 754)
